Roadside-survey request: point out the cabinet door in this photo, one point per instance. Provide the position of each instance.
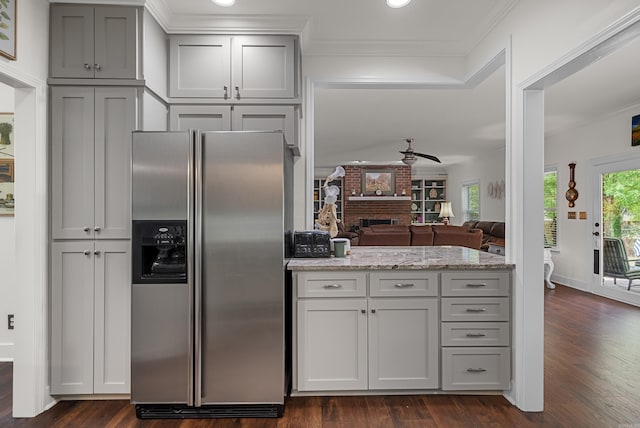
(72, 317)
(114, 122)
(403, 343)
(72, 41)
(263, 67)
(112, 305)
(204, 118)
(72, 155)
(332, 344)
(266, 118)
(200, 66)
(115, 42)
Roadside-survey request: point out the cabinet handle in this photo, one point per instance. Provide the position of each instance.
(86, 252)
(364, 311)
(476, 335)
(401, 285)
(87, 66)
(476, 370)
(226, 92)
(87, 228)
(97, 228)
(482, 284)
(333, 286)
(97, 253)
(237, 92)
(98, 67)
(476, 310)
(373, 311)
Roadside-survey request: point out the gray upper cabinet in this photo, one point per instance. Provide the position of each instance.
(232, 67)
(90, 160)
(93, 42)
(236, 118)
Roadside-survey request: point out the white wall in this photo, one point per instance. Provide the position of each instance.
(489, 168)
(605, 137)
(7, 255)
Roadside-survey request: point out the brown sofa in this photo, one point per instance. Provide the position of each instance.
(492, 232)
(396, 235)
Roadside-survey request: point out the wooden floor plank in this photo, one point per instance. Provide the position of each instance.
(592, 378)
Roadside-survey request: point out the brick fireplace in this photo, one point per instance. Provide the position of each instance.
(372, 209)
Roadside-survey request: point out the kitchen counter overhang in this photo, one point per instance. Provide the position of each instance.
(405, 258)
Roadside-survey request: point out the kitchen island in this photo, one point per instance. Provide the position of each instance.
(387, 320)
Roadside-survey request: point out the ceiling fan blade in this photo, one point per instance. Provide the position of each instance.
(430, 157)
(407, 153)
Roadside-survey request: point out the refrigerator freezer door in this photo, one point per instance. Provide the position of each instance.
(162, 313)
(243, 269)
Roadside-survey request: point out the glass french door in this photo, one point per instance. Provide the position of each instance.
(615, 213)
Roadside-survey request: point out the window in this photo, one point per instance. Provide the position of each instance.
(550, 208)
(471, 201)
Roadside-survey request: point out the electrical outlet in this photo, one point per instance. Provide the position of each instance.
(10, 318)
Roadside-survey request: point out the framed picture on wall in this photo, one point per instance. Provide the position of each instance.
(378, 181)
(8, 28)
(635, 130)
(7, 165)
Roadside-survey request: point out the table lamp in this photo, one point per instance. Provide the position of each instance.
(446, 212)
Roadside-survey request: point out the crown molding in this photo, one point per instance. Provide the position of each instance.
(192, 23)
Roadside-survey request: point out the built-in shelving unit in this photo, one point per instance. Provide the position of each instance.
(427, 194)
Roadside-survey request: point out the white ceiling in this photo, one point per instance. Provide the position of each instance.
(371, 124)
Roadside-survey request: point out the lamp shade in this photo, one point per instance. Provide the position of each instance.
(445, 210)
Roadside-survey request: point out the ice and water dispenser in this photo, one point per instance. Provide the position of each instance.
(159, 251)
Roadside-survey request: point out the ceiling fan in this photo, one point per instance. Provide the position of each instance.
(410, 156)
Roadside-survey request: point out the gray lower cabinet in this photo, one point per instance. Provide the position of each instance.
(90, 161)
(94, 42)
(232, 67)
(349, 338)
(401, 330)
(236, 118)
(90, 317)
(475, 330)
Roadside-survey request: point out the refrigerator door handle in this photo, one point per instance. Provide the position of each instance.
(191, 277)
(196, 214)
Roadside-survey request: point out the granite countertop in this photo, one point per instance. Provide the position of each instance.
(436, 257)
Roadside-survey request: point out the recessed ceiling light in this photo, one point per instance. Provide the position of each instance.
(397, 3)
(225, 3)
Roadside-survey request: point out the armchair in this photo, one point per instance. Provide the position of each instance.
(616, 263)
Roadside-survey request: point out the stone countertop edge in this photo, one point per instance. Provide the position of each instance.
(404, 258)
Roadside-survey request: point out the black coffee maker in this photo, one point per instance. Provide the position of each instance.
(159, 251)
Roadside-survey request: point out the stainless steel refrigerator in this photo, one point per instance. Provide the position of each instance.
(211, 226)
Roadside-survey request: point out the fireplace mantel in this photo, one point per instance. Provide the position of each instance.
(380, 198)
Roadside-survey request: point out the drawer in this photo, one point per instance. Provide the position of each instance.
(332, 284)
(474, 334)
(403, 283)
(475, 309)
(474, 283)
(476, 368)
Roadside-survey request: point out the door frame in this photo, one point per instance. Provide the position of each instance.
(595, 168)
(30, 365)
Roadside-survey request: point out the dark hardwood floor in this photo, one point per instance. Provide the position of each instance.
(592, 379)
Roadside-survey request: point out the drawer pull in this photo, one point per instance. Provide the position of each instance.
(333, 286)
(476, 370)
(476, 335)
(482, 284)
(476, 310)
(403, 285)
